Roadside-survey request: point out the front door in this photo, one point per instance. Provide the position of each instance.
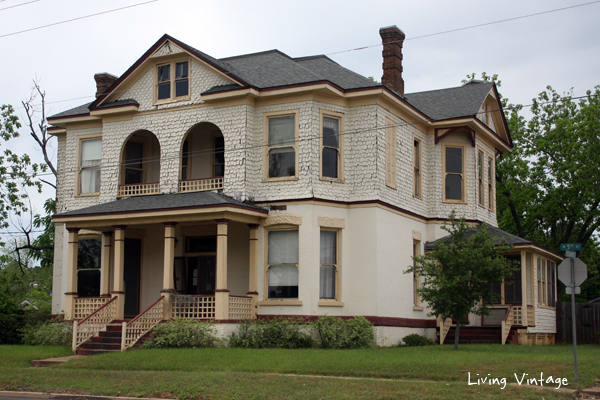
(201, 275)
(131, 276)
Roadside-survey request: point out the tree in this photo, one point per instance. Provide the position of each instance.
(460, 271)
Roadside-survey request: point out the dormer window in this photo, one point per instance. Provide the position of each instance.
(172, 81)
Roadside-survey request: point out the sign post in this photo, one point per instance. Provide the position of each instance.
(572, 272)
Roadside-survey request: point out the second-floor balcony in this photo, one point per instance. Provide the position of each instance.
(202, 159)
(140, 165)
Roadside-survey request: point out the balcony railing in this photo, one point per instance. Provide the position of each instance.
(198, 185)
(139, 189)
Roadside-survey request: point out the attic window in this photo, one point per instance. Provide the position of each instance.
(172, 81)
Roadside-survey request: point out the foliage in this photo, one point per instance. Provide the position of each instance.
(460, 271)
(337, 333)
(11, 319)
(182, 333)
(284, 333)
(49, 333)
(416, 340)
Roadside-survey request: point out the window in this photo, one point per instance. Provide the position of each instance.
(282, 264)
(454, 182)
(330, 148)
(390, 154)
(546, 282)
(416, 285)
(328, 286)
(89, 166)
(88, 267)
(490, 183)
(480, 178)
(513, 290)
(185, 159)
(281, 146)
(172, 81)
(219, 161)
(417, 168)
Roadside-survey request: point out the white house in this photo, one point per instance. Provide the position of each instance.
(262, 185)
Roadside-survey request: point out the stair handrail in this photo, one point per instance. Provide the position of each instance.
(135, 329)
(507, 324)
(93, 323)
(444, 325)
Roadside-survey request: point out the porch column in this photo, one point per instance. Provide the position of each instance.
(119, 271)
(168, 266)
(524, 287)
(71, 293)
(221, 292)
(105, 267)
(253, 268)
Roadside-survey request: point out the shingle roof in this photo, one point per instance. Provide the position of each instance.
(79, 110)
(161, 202)
(125, 102)
(498, 234)
(462, 101)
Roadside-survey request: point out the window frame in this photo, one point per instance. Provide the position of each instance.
(81, 139)
(266, 149)
(480, 178)
(340, 159)
(337, 265)
(491, 182)
(267, 299)
(172, 79)
(462, 146)
(417, 168)
(546, 282)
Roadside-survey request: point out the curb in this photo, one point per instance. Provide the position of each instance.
(60, 396)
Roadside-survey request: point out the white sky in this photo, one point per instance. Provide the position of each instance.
(561, 48)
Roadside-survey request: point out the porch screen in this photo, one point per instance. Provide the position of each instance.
(88, 267)
(512, 286)
(283, 264)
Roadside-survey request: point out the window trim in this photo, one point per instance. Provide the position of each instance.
(275, 301)
(463, 146)
(491, 183)
(340, 161)
(481, 159)
(418, 169)
(172, 98)
(543, 281)
(337, 265)
(80, 139)
(276, 114)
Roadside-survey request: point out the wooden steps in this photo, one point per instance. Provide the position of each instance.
(106, 341)
(480, 335)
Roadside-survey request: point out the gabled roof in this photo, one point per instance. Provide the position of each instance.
(456, 102)
(161, 202)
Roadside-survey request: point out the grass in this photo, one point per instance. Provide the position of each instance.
(227, 373)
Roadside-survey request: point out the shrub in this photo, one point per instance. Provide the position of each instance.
(285, 333)
(183, 333)
(416, 340)
(11, 320)
(337, 333)
(50, 333)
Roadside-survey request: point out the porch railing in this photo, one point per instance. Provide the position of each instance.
(193, 306)
(240, 307)
(517, 315)
(84, 306)
(139, 189)
(142, 324)
(198, 185)
(444, 326)
(93, 323)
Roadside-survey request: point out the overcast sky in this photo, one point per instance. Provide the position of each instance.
(559, 48)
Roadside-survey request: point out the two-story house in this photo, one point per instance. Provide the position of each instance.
(265, 185)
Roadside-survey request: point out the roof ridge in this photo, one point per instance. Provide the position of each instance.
(255, 54)
(465, 87)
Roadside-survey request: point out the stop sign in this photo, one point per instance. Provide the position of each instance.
(564, 271)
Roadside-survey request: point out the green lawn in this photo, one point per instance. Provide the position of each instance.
(433, 372)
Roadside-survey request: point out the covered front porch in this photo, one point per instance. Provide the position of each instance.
(139, 261)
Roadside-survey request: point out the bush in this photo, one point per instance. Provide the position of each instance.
(285, 333)
(416, 340)
(337, 333)
(12, 320)
(183, 333)
(50, 333)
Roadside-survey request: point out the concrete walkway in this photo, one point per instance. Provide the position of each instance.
(47, 362)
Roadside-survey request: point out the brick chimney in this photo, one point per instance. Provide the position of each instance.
(392, 39)
(103, 81)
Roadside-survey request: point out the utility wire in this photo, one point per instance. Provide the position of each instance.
(77, 19)
(19, 5)
(471, 27)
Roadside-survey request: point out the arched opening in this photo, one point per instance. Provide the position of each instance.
(140, 165)
(202, 159)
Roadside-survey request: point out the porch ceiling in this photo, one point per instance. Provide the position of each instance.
(176, 207)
